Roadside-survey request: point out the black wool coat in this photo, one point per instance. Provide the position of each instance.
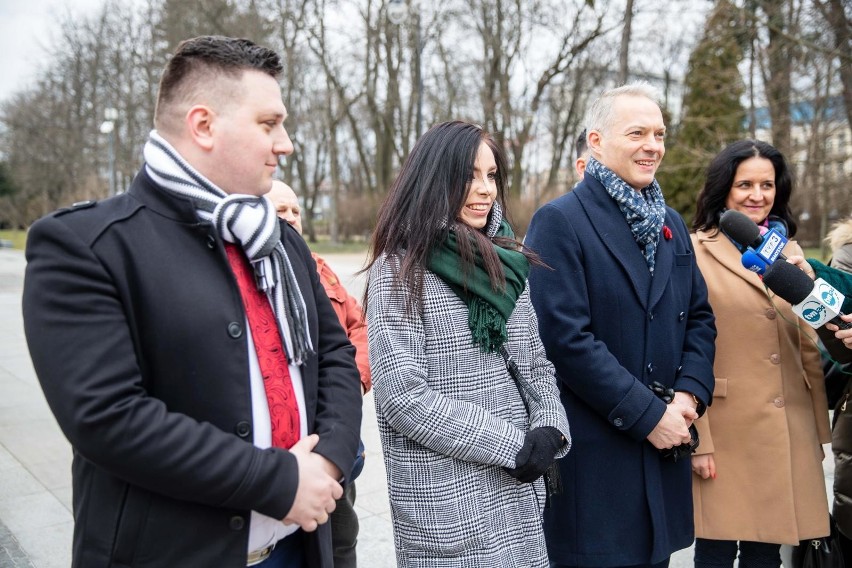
(134, 322)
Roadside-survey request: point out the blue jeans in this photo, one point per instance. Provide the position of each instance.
(722, 553)
(287, 553)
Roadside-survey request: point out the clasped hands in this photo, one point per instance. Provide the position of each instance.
(673, 428)
(537, 453)
(318, 487)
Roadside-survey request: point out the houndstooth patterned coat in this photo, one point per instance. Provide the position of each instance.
(451, 418)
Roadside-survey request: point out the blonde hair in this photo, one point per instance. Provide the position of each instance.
(840, 234)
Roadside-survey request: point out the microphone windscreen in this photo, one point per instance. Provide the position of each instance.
(788, 282)
(740, 228)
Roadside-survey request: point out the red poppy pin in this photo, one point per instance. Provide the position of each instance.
(667, 233)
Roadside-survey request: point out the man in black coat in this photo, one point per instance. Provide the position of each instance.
(145, 340)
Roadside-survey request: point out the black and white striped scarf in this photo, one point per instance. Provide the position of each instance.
(248, 221)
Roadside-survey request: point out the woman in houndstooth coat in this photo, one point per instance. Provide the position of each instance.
(446, 293)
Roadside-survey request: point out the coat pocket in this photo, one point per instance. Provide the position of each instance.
(683, 259)
(440, 515)
(131, 521)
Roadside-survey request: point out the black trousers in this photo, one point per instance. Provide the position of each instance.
(344, 529)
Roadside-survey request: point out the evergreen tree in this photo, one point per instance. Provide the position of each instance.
(6, 186)
(712, 115)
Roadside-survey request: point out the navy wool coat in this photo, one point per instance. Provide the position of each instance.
(611, 329)
(134, 322)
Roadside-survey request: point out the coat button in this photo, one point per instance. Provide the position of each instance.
(235, 330)
(770, 314)
(211, 242)
(779, 402)
(237, 523)
(650, 368)
(679, 369)
(651, 316)
(243, 429)
(618, 422)
(681, 316)
(775, 359)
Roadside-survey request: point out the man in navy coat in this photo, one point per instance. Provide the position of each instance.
(622, 306)
(186, 346)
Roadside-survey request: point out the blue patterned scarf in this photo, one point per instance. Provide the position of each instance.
(645, 210)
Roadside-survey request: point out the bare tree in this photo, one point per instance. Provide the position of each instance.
(624, 51)
(840, 23)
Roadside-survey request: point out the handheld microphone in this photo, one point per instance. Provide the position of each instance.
(815, 301)
(746, 233)
(752, 261)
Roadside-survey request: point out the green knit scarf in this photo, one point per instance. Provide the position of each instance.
(488, 309)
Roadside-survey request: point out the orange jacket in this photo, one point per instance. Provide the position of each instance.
(350, 315)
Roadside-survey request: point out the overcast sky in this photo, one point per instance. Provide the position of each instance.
(26, 29)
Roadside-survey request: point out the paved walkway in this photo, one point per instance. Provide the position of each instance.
(35, 474)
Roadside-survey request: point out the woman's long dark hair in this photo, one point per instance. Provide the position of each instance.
(720, 178)
(424, 202)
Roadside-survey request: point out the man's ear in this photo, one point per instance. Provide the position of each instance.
(594, 142)
(199, 123)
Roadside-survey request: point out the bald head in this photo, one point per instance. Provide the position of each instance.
(286, 204)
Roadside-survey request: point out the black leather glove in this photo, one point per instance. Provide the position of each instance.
(537, 453)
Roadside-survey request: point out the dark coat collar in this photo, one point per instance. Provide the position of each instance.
(146, 191)
(609, 223)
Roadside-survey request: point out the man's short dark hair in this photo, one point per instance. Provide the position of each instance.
(581, 146)
(208, 57)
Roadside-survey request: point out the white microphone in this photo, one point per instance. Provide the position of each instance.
(817, 302)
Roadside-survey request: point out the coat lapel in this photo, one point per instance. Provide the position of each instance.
(608, 222)
(728, 256)
(664, 262)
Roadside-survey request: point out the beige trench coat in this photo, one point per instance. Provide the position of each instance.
(769, 415)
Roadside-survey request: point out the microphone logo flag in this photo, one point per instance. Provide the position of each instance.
(829, 295)
(813, 312)
(771, 247)
(821, 305)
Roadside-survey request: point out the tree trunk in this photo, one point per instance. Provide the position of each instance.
(624, 52)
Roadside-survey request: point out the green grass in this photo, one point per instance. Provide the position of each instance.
(814, 252)
(18, 238)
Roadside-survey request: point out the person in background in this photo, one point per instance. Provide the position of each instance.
(839, 371)
(466, 442)
(185, 344)
(758, 477)
(839, 239)
(344, 519)
(623, 315)
(581, 147)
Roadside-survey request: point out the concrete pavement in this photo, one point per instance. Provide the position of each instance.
(35, 459)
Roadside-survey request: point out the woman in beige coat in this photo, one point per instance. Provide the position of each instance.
(758, 478)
